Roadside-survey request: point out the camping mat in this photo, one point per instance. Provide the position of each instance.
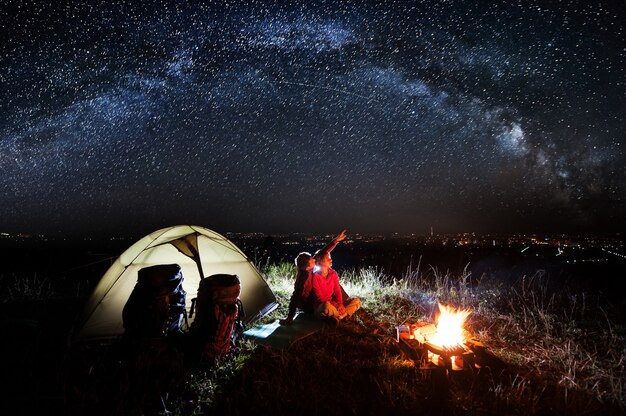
(282, 336)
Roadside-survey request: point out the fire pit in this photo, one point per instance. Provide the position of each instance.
(445, 344)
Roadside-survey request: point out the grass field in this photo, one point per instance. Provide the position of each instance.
(565, 352)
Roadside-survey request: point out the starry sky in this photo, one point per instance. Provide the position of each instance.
(120, 117)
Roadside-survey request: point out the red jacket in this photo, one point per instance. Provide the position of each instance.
(326, 289)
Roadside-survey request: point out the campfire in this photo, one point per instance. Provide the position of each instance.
(446, 343)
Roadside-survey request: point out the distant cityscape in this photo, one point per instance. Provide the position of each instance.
(611, 242)
(614, 241)
(603, 247)
(592, 255)
(612, 245)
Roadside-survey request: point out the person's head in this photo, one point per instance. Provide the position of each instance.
(304, 261)
(323, 259)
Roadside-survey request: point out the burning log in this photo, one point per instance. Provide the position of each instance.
(445, 344)
(413, 350)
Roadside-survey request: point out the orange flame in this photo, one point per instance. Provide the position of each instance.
(450, 326)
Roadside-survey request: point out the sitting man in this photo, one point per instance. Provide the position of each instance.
(327, 294)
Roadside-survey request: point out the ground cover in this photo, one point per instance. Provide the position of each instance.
(564, 351)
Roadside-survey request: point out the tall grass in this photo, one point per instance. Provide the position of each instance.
(565, 351)
(14, 287)
(557, 338)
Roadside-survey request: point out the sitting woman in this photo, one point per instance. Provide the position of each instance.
(303, 285)
(327, 295)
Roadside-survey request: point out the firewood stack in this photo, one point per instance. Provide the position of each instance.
(414, 343)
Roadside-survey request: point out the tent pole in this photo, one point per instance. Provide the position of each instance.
(199, 264)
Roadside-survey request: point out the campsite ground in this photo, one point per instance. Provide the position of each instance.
(563, 348)
(563, 354)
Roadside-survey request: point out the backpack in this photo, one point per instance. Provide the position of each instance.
(219, 312)
(156, 306)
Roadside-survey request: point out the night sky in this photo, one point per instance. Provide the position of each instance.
(393, 116)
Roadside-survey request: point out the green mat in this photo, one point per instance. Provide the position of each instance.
(282, 336)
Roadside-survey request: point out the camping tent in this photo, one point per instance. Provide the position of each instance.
(198, 251)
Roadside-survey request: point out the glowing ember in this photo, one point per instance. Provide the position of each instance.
(449, 327)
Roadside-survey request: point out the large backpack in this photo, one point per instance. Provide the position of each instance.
(156, 306)
(219, 313)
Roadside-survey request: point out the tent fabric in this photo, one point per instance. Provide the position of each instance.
(195, 249)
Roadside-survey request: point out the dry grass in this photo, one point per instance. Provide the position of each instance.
(14, 287)
(565, 354)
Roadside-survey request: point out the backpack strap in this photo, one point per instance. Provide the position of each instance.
(242, 312)
(239, 327)
(185, 318)
(191, 311)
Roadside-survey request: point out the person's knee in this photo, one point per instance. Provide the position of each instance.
(353, 305)
(324, 310)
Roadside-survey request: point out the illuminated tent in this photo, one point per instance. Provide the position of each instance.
(198, 251)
